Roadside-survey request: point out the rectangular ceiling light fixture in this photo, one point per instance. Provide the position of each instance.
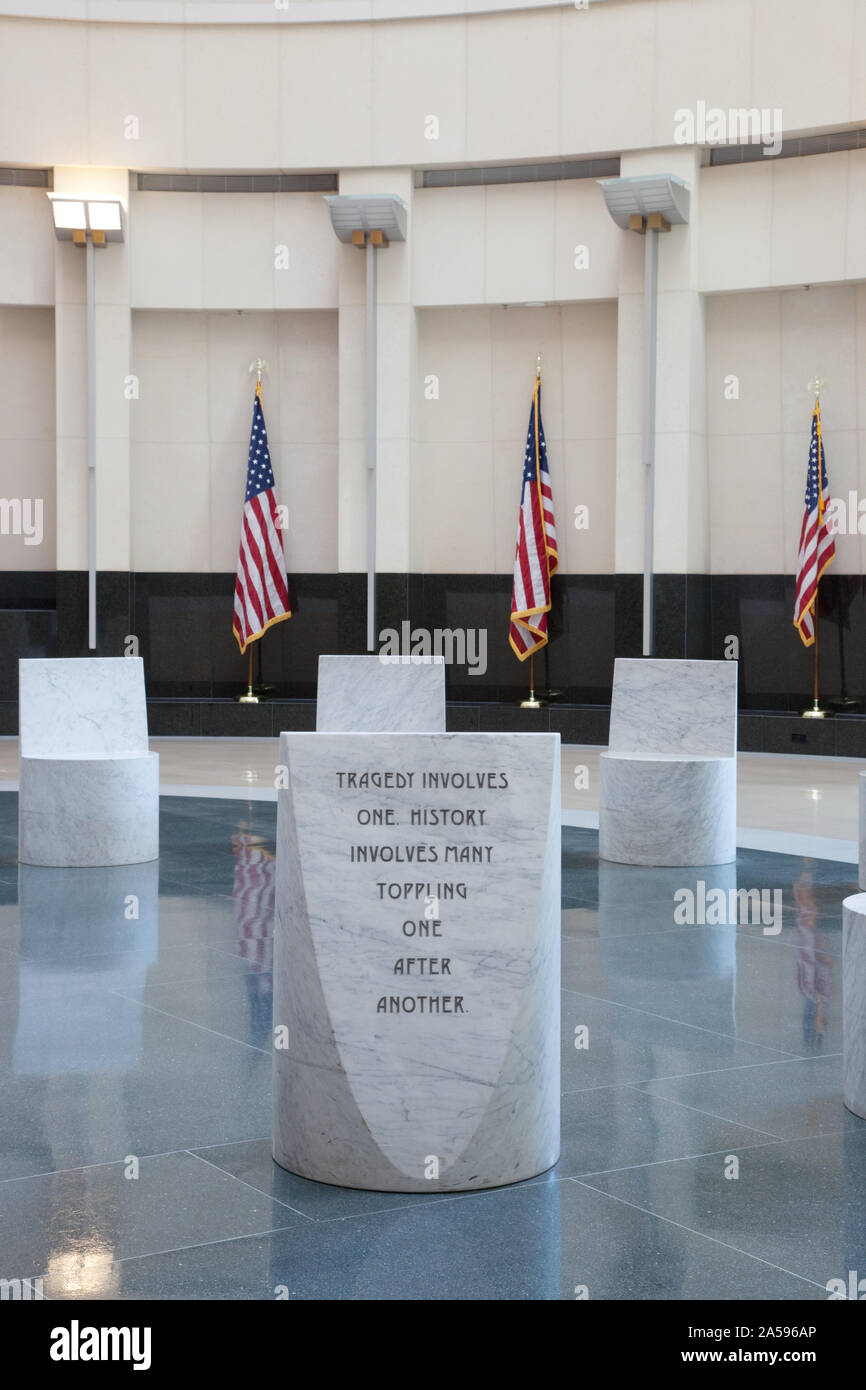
(643, 195)
(69, 215)
(385, 213)
(76, 216)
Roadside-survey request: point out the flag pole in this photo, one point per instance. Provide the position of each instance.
(817, 629)
(250, 698)
(532, 702)
(816, 712)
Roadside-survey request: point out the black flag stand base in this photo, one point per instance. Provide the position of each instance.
(532, 702)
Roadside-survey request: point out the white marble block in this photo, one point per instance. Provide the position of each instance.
(379, 694)
(668, 781)
(854, 1003)
(89, 787)
(861, 868)
(417, 959)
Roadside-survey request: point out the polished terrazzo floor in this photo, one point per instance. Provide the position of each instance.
(135, 1094)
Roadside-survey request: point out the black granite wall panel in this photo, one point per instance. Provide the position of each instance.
(183, 626)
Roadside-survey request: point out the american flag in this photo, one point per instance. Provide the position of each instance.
(817, 546)
(261, 593)
(536, 558)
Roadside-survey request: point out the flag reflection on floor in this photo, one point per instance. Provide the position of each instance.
(253, 898)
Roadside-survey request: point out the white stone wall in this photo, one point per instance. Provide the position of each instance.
(196, 290)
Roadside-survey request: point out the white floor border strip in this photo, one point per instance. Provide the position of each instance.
(774, 841)
(231, 793)
(789, 842)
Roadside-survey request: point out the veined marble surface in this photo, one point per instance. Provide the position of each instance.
(88, 812)
(668, 782)
(82, 706)
(88, 786)
(686, 707)
(452, 1100)
(667, 811)
(854, 1003)
(381, 694)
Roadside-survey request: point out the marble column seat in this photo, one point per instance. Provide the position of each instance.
(89, 786)
(667, 811)
(668, 781)
(87, 812)
(854, 1003)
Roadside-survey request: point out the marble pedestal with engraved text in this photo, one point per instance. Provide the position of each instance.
(89, 786)
(417, 964)
(854, 1003)
(668, 781)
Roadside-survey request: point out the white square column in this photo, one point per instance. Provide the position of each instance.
(681, 533)
(116, 390)
(397, 371)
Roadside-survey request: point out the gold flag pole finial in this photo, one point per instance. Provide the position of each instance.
(538, 367)
(815, 386)
(258, 366)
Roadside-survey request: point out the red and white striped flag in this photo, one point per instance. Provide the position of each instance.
(261, 591)
(817, 546)
(536, 558)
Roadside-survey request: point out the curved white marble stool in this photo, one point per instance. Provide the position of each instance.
(671, 810)
(854, 1003)
(89, 786)
(89, 812)
(668, 781)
